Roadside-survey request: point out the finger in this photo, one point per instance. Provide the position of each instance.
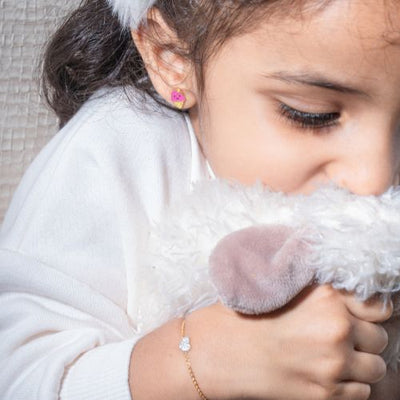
(352, 390)
(372, 310)
(369, 337)
(365, 368)
(396, 303)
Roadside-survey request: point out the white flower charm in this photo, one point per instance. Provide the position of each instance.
(184, 344)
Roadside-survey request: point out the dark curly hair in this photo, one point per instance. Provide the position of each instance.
(92, 50)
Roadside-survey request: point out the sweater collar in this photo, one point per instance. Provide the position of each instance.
(200, 168)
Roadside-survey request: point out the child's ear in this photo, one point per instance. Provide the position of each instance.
(167, 70)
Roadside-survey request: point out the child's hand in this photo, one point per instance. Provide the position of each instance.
(388, 388)
(323, 345)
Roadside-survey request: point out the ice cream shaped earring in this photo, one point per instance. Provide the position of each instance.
(178, 98)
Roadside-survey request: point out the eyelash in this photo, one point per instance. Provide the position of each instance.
(309, 121)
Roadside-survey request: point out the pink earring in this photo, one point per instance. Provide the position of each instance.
(178, 98)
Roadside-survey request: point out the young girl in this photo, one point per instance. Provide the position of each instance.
(152, 99)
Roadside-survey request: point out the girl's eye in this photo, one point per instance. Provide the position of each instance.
(307, 120)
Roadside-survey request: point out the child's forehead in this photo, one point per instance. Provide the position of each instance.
(351, 41)
(362, 27)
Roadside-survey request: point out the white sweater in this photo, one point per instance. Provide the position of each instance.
(69, 246)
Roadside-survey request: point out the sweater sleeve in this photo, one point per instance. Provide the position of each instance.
(69, 249)
(56, 329)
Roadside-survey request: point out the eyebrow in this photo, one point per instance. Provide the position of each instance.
(314, 79)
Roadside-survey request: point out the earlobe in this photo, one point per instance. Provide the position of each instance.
(178, 99)
(167, 70)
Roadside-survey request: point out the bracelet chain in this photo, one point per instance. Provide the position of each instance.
(185, 346)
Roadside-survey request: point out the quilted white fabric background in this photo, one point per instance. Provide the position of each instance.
(25, 122)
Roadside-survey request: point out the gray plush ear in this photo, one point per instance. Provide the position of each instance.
(260, 269)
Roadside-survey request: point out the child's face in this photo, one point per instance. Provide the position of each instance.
(302, 102)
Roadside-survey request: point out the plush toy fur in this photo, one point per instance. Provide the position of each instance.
(270, 246)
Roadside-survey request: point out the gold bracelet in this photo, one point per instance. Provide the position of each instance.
(185, 346)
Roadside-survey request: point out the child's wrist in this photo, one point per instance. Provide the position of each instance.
(208, 356)
(186, 346)
(157, 368)
(218, 347)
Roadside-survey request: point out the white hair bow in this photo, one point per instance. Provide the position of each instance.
(130, 12)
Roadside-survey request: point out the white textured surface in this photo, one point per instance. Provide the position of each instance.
(25, 122)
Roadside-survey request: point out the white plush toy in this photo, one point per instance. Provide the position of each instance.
(255, 250)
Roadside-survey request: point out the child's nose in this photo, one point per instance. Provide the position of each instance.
(369, 166)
